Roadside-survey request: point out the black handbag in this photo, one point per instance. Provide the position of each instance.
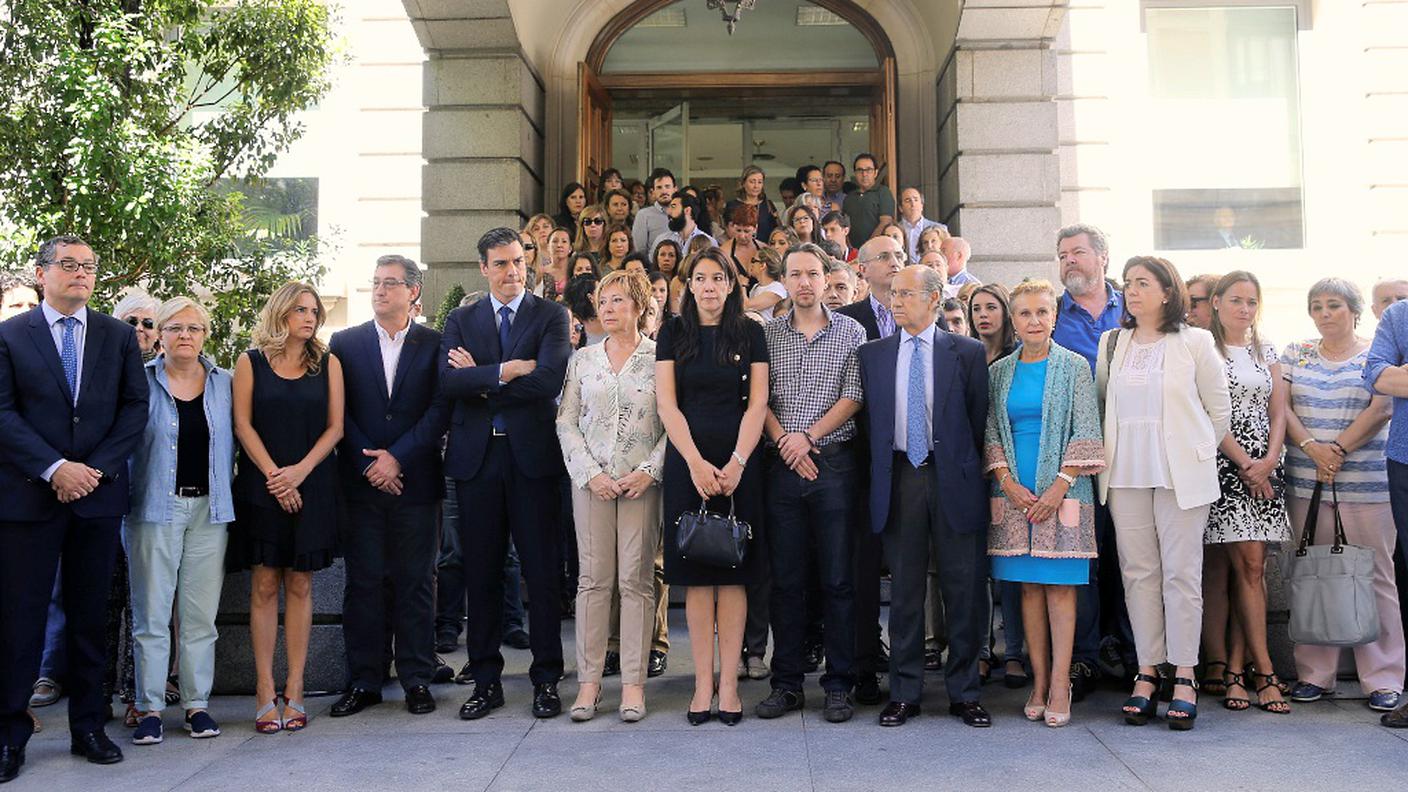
(718, 540)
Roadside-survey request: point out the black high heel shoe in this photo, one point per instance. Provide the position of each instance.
(1145, 707)
(699, 718)
(1181, 713)
(730, 718)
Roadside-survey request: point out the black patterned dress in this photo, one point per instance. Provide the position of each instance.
(1237, 516)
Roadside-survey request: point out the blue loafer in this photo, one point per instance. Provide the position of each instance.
(148, 730)
(1305, 692)
(1384, 700)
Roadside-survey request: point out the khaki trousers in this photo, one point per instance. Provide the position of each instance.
(661, 641)
(1161, 561)
(616, 547)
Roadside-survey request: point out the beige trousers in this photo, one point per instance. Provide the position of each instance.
(661, 641)
(1161, 561)
(616, 548)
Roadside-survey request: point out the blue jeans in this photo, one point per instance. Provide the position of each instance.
(54, 664)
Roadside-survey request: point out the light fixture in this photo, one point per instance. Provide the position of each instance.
(731, 17)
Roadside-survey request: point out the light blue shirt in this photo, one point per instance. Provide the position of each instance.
(902, 385)
(651, 223)
(683, 243)
(912, 233)
(498, 320)
(884, 320)
(52, 317)
(1390, 348)
(154, 461)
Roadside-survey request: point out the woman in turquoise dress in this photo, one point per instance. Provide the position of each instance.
(1043, 444)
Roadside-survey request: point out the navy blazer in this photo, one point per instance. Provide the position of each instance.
(960, 418)
(39, 423)
(528, 404)
(409, 423)
(863, 313)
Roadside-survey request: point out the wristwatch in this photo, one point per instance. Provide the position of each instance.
(742, 463)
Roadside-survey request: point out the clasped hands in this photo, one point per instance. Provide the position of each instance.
(1328, 459)
(1256, 476)
(1037, 510)
(283, 484)
(74, 480)
(509, 370)
(796, 450)
(632, 485)
(710, 481)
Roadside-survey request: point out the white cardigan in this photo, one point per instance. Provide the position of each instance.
(1196, 411)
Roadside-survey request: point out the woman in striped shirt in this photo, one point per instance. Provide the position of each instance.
(1336, 431)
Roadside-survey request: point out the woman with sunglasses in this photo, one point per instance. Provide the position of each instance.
(591, 231)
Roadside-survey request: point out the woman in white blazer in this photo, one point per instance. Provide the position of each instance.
(1164, 390)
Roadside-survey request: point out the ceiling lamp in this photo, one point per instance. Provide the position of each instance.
(731, 17)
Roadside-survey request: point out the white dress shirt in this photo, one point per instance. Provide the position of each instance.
(52, 317)
(391, 346)
(902, 385)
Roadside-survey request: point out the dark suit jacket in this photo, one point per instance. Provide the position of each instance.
(410, 423)
(863, 313)
(39, 423)
(528, 404)
(960, 418)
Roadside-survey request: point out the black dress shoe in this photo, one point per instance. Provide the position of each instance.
(611, 666)
(517, 639)
(464, 677)
(486, 698)
(354, 701)
(659, 661)
(972, 714)
(419, 701)
(933, 660)
(95, 747)
(11, 759)
(443, 674)
(897, 712)
(867, 690)
(546, 702)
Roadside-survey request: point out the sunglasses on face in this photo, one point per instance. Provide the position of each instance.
(147, 324)
(594, 221)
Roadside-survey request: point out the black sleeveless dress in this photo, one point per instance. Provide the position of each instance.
(289, 416)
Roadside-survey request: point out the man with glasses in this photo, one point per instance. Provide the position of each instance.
(389, 461)
(871, 206)
(73, 404)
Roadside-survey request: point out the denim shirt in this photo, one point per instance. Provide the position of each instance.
(1390, 348)
(154, 462)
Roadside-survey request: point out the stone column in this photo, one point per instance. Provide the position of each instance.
(483, 135)
(999, 173)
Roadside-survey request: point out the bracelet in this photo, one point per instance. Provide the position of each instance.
(811, 440)
(742, 463)
(1307, 441)
(1336, 444)
(1006, 474)
(1061, 474)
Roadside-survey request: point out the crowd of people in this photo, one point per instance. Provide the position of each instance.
(771, 406)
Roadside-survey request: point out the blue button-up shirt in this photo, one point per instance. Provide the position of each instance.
(154, 462)
(1390, 348)
(1080, 332)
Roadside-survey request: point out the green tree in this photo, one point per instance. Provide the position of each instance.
(124, 121)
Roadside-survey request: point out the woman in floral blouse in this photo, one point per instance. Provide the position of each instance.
(614, 446)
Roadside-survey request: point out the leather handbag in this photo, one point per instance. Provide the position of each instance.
(717, 540)
(1332, 586)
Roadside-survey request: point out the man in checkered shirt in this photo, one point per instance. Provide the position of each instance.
(814, 393)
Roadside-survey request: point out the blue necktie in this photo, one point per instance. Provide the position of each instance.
(68, 356)
(504, 326)
(916, 435)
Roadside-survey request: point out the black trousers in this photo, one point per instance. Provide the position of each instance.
(497, 503)
(915, 521)
(868, 559)
(806, 520)
(391, 546)
(30, 554)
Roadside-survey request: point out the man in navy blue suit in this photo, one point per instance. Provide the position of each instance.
(926, 400)
(504, 359)
(73, 404)
(389, 461)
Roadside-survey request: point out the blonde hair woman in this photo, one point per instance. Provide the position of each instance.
(288, 418)
(591, 231)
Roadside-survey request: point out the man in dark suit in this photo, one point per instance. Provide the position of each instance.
(389, 460)
(504, 359)
(926, 398)
(73, 404)
(881, 259)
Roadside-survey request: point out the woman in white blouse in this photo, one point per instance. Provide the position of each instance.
(1164, 389)
(614, 447)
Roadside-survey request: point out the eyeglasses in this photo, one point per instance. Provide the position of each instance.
(146, 324)
(884, 255)
(184, 329)
(389, 283)
(594, 221)
(865, 170)
(906, 294)
(74, 265)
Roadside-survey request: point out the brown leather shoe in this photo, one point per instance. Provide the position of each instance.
(1398, 719)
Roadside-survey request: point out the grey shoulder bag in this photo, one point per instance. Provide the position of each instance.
(1332, 586)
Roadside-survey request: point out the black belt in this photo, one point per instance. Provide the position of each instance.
(192, 492)
(901, 456)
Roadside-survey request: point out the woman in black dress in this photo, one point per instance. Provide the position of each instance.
(288, 418)
(712, 393)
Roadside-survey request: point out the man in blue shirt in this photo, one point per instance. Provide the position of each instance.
(1090, 306)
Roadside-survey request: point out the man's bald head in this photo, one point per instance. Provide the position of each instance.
(956, 252)
(881, 257)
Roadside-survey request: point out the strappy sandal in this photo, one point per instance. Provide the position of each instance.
(1182, 714)
(1211, 683)
(268, 726)
(1231, 702)
(1278, 707)
(1139, 709)
(173, 691)
(297, 722)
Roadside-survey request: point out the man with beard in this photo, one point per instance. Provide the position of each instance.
(1090, 306)
(652, 222)
(683, 211)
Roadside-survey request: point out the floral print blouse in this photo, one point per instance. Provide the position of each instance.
(607, 422)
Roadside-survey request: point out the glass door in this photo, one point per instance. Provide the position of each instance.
(667, 138)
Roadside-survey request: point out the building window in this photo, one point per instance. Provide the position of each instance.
(1224, 128)
(277, 207)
